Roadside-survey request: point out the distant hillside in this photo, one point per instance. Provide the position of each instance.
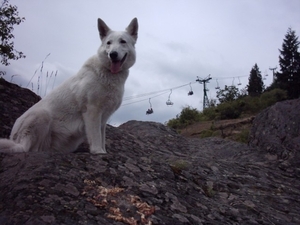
(234, 129)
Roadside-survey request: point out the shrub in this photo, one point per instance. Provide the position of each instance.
(229, 110)
(206, 133)
(187, 116)
(271, 97)
(243, 136)
(208, 114)
(173, 123)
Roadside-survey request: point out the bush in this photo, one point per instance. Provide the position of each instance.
(208, 114)
(206, 133)
(271, 97)
(187, 116)
(243, 136)
(251, 104)
(173, 123)
(229, 110)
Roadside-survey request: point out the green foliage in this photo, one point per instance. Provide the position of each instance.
(187, 116)
(230, 93)
(256, 85)
(271, 97)
(180, 164)
(246, 105)
(206, 133)
(229, 110)
(289, 60)
(8, 19)
(243, 136)
(174, 123)
(208, 114)
(249, 105)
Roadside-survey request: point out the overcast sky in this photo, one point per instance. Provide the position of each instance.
(178, 41)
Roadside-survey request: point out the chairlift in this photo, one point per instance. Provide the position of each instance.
(150, 110)
(239, 81)
(266, 73)
(265, 77)
(218, 87)
(168, 102)
(191, 91)
(233, 82)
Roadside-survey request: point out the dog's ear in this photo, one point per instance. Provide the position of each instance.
(103, 28)
(132, 28)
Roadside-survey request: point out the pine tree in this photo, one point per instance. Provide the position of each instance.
(256, 85)
(289, 62)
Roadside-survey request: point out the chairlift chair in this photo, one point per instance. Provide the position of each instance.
(150, 110)
(168, 102)
(239, 81)
(218, 87)
(191, 91)
(265, 77)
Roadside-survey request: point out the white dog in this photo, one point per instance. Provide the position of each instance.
(79, 108)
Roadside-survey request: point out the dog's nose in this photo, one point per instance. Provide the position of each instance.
(113, 55)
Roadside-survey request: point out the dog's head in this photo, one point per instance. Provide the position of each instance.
(117, 50)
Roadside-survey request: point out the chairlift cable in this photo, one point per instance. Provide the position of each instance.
(162, 92)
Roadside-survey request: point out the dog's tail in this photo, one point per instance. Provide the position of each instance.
(9, 146)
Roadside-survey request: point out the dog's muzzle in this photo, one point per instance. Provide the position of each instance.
(116, 64)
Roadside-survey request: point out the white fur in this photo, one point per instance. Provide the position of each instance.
(79, 108)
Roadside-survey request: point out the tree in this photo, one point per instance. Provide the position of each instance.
(187, 116)
(229, 94)
(256, 85)
(289, 61)
(9, 17)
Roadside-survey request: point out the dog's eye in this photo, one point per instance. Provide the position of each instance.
(108, 43)
(123, 42)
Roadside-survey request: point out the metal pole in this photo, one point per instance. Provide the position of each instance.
(205, 98)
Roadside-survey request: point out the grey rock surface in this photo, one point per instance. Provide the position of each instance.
(277, 131)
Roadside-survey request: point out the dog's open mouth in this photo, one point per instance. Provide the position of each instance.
(116, 65)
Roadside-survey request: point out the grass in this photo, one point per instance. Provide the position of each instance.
(178, 165)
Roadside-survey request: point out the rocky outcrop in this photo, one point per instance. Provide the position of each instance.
(151, 175)
(14, 101)
(276, 130)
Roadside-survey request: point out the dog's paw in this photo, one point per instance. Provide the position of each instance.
(98, 151)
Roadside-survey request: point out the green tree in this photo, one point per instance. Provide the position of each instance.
(256, 85)
(9, 17)
(187, 116)
(228, 94)
(289, 61)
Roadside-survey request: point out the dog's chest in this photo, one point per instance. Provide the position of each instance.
(108, 97)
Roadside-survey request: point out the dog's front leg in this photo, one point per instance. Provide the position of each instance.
(92, 122)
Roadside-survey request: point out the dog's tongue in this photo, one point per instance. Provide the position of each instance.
(115, 67)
